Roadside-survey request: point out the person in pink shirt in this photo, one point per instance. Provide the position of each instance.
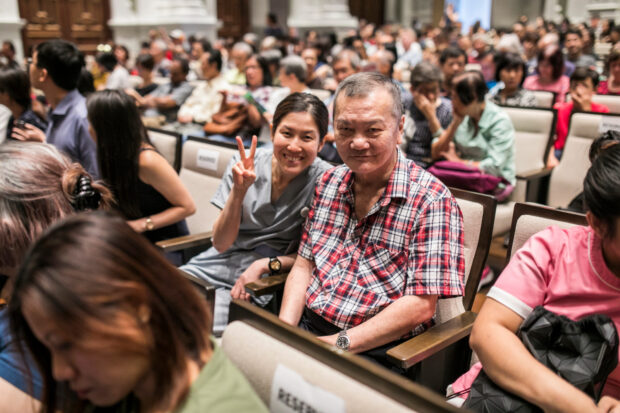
(572, 272)
(611, 86)
(583, 84)
(549, 76)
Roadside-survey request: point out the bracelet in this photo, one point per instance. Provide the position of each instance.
(438, 133)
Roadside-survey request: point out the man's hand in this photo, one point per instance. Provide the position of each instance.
(243, 171)
(423, 104)
(608, 405)
(29, 133)
(185, 118)
(331, 340)
(251, 274)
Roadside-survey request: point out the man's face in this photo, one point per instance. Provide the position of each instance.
(239, 58)
(209, 71)
(573, 44)
(366, 132)
(452, 67)
(197, 50)
(310, 58)
(34, 72)
(7, 52)
(176, 72)
(430, 90)
(380, 64)
(342, 70)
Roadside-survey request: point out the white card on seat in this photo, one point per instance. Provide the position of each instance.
(290, 393)
(207, 159)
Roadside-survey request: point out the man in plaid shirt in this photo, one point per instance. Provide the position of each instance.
(383, 240)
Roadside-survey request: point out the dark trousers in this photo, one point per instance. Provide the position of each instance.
(315, 324)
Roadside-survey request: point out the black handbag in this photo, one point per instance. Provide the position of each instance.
(582, 352)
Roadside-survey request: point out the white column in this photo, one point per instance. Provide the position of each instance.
(607, 9)
(322, 15)
(10, 27)
(131, 20)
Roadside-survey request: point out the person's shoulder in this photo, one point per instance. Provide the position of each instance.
(599, 108)
(319, 166)
(561, 240)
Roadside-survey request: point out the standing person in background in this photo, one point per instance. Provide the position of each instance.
(55, 69)
(15, 95)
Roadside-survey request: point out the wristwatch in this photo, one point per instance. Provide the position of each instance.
(148, 225)
(274, 265)
(343, 342)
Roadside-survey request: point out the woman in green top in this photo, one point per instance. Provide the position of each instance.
(112, 324)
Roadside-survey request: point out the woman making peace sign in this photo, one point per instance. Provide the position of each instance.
(264, 197)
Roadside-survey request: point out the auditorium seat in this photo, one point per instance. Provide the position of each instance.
(287, 366)
(544, 99)
(168, 144)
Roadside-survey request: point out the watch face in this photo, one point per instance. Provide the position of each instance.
(342, 342)
(275, 265)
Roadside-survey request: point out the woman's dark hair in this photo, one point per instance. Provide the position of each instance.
(92, 274)
(602, 143)
(107, 60)
(303, 102)
(86, 83)
(510, 61)
(451, 52)
(120, 134)
(582, 73)
(16, 84)
(146, 61)
(553, 55)
(601, 188)
(470, 87)
(264, 66)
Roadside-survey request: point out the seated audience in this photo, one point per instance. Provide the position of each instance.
(611, 85)
(15, 95)
(572, 272)
(409, 50)
(573, 41)
(430, 112)
(39, 185)
(583, 83)
(313, 79)
(8, 52)
(264, 197)
(383, 239)
(157, 49)
(206, 98)
(55, 69)
(167, 98)
(510, 73)
(118, 76)
(148, 191)
(481, 134)
(132, 335)
(240, 53)
(383, 60)
(292, 75)
(530, 51)
(549, 77)
(482, 54)
(145, 65)
(122, 55)
(452, 62)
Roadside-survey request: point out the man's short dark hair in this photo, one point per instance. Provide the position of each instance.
(425, 72)
(10, 44)
(107, 60)
(582, 73)
(62, 60)
(470, 86)
(215, 57)
(183, 62)
(574, 30)
(531, 37)
(146, 61)
(362, 84)
(451, 52)
(204, 43)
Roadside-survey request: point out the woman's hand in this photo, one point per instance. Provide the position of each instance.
(251, 274)
(29, 133)
(137, 225)
(608, 405)
(243, 171)
(450, 154)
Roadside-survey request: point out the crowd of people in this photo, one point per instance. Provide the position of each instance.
(338, 181)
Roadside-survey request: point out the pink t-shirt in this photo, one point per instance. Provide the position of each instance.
(560, 87)
(564, 271)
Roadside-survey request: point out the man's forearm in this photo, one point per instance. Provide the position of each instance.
(294, 299)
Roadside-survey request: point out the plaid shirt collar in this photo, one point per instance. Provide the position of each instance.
(397, 186)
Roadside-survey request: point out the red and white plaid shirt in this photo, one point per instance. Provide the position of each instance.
(409, 243)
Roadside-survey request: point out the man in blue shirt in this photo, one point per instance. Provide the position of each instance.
(55, 69)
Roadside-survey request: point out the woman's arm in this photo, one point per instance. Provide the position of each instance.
(254, 272)
(154, 170)
(494, 337)
(226, 226)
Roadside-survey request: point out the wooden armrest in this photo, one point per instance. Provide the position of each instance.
(185, 242)
(535, 174)
(266, 285)
(432, 340)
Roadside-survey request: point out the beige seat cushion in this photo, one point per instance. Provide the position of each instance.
(166, 145)
(528, 225)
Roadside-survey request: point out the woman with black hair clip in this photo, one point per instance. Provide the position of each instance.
(149, 193)
(572, 272)
(15, 95)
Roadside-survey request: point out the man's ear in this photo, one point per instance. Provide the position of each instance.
(599, 227)
(401, 129)
(43, 75)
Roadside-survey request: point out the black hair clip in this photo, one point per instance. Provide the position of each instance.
(84, 196)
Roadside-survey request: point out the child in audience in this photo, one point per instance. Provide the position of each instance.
(264, 198)
(38, 186)
(509, 73)
(112, 324)
(149, 192)
(572, 272)
(583, 84)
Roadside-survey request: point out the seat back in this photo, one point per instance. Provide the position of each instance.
(611, 101)
(528, 219)
(168, 144)
(478, 214)
(261, 346)
(544, 99)
(566, 180)
(202, 166)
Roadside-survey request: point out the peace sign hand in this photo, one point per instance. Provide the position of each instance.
(243, 171)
